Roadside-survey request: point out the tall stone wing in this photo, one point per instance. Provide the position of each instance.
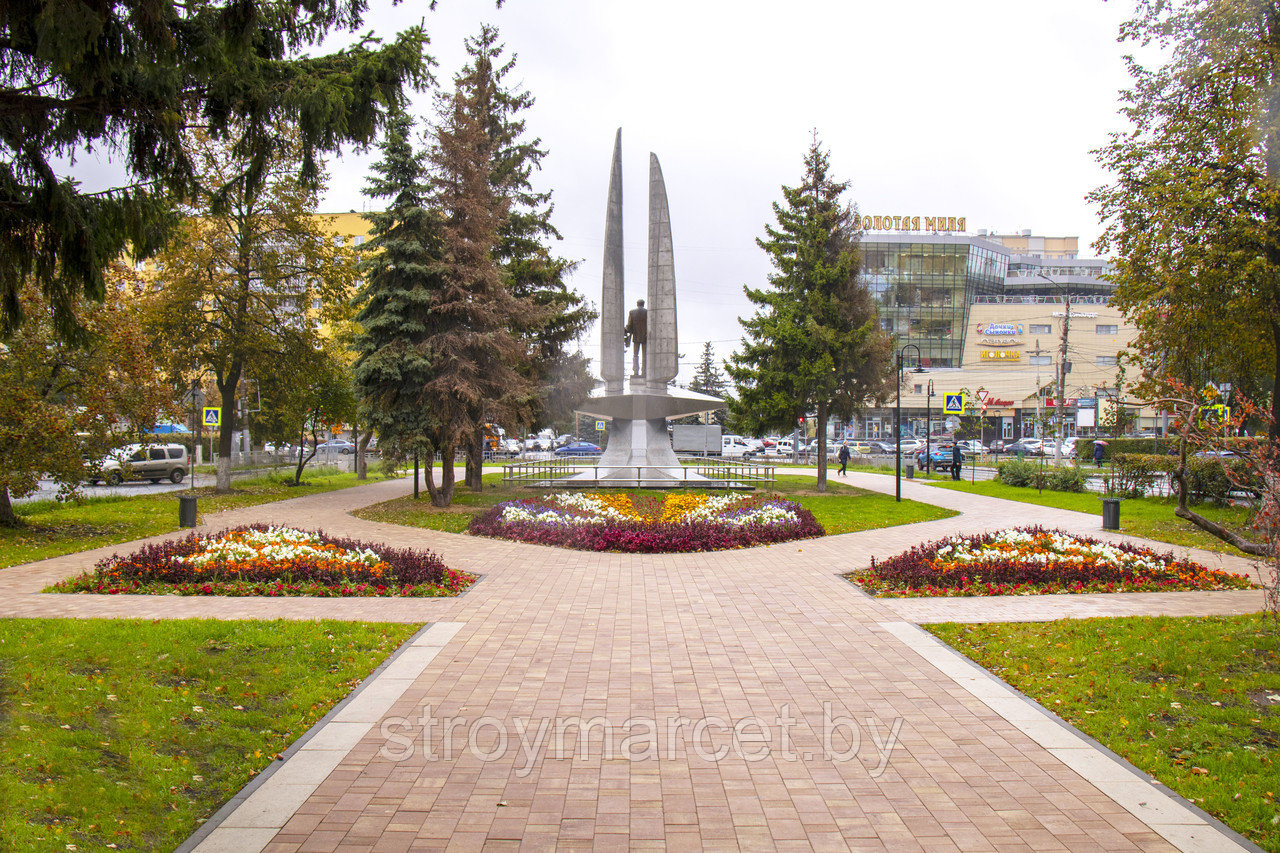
(660, 356)
(612, 357)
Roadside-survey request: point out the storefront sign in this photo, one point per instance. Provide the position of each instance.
(1077, 314)
(913, 223)
(998, 342)
(1052, 402)
(999, 355)
(991, 329)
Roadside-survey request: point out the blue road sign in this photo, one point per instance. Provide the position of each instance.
(212, 416)
(953, 404)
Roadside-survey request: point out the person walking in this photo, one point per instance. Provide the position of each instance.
(957, 460)
(843, 458)
(1097, 453)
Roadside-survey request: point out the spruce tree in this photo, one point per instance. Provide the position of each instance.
(394, 363)
(556, 381)
(707, 379)
(814, 343)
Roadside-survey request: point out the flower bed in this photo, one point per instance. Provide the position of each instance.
(271, 561)
(1033, 561)
(673, 523)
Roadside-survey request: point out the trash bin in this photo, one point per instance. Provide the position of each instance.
(911, 472)
(187, 511)
(1110, 513)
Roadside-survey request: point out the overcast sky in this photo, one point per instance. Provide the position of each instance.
(982, 110)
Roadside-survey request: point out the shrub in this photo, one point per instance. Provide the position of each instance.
(1134, 473)
(1067, 479)
(1013, 472)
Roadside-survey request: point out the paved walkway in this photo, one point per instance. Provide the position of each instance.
(739, 700)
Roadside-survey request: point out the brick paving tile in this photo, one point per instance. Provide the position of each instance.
(732, 699)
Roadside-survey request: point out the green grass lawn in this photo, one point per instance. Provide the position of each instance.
(1193, 701)
(51, 528)
(1150, 517)
(129, 734)
(842, 509)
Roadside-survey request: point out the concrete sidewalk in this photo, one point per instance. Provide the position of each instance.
(744, 699)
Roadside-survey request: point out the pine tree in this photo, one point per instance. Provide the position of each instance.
(555, 381)
(132, 79)
(815, 343)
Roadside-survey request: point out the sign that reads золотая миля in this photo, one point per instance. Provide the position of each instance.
(913, 223)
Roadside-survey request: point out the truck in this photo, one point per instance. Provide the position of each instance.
(702, 439)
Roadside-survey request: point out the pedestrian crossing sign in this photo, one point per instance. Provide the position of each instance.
(953, 404)
(212, 416)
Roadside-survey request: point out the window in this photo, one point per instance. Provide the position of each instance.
(1107, 330)
(156, 453)
(315, 304)
(1107, 360)
(1044, 329)
(917, 389)
(175, 452)
(337, 239)
(359, 239)
(1040, 359)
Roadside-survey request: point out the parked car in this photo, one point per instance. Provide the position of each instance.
(939, 456)
(143, 462)
(578, 448)
(972, 447)
(510, 447)
(1027, 447)
(337, 445)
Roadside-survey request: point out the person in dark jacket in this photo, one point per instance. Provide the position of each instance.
(957, 460)
(843, 457)
(1097, 453)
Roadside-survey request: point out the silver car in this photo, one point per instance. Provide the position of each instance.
(152, 462)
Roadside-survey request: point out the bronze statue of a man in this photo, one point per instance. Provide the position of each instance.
(637, 333)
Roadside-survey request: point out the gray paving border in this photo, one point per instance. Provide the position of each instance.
(257, 812)
(1177, 820)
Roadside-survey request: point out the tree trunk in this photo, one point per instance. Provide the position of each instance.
(1256, 549)
(7, 516)
(362, 460)
(303, 457)
(474, 474)
(822, 446)
(1273, 432)
(227, 385)
(442, 495)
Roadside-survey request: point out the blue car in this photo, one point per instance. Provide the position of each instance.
(939, 457)
(578, 448)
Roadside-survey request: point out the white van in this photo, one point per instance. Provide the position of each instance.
(735, 445)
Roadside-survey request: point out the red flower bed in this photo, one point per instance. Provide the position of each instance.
(321, 569)
(641, 536)
(1033, 561)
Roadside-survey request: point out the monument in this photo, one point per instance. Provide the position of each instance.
(637, 448)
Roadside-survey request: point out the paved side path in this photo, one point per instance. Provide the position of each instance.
(743, 699)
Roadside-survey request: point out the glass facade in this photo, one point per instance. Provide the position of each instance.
(924, 287)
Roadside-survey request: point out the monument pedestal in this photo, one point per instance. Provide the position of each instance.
(638, 448)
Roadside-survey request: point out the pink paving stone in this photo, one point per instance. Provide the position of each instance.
(550, 634)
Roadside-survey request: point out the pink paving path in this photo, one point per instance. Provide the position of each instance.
(846, 737)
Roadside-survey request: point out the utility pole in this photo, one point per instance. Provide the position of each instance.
(1037, 352)
(1062, 378)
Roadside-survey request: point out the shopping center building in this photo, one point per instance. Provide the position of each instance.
(983, 314)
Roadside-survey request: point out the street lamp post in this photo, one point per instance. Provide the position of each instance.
(928, 424)
(897, 420)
